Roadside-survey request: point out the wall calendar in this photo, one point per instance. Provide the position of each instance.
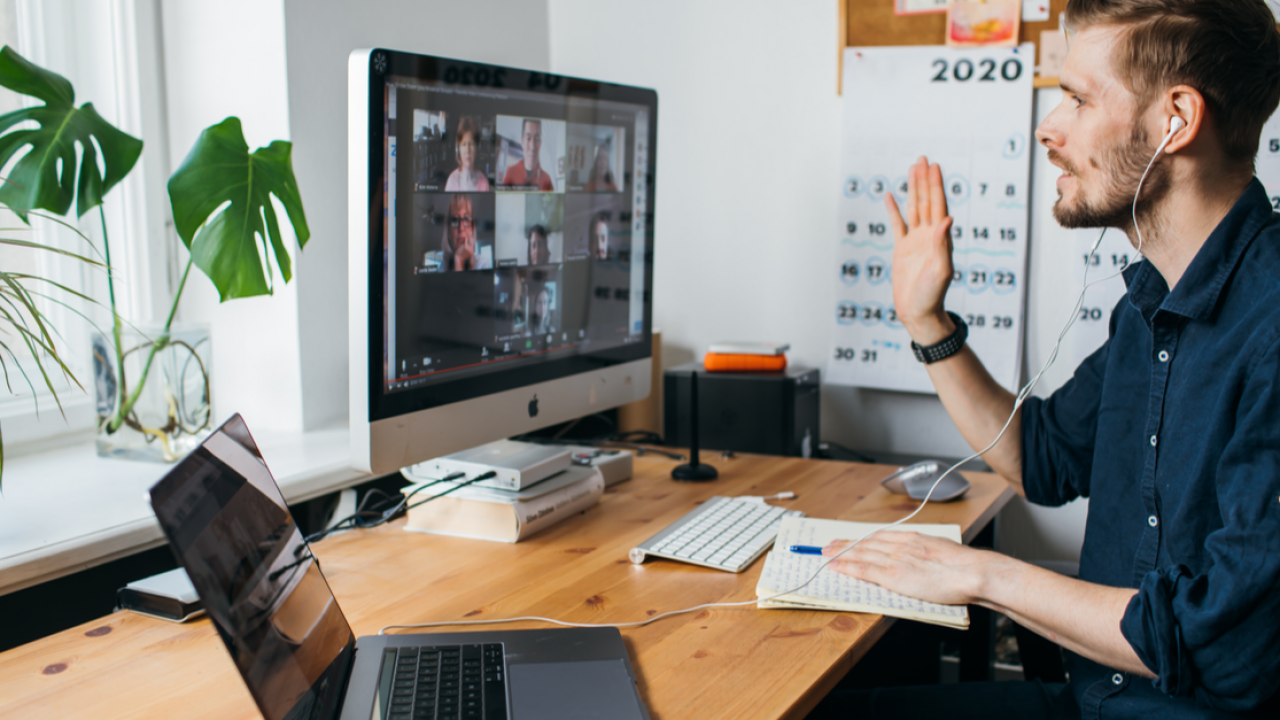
(970, 110)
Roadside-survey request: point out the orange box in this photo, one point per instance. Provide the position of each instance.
(719, 362)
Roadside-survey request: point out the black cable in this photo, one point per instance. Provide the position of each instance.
(637, 436)
(357, 520)
(826, 445)
(459, 486)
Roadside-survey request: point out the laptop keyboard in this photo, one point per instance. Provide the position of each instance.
(452, 682)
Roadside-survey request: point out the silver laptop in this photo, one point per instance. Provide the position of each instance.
(228, 524)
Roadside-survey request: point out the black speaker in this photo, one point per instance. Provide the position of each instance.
(770, 413)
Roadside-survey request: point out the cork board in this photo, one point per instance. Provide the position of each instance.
(865, 23)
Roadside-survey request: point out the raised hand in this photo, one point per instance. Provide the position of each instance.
(922, 255)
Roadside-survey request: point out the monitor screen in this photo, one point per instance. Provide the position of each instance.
(514, 243)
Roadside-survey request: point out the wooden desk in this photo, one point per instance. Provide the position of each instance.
(736, 662)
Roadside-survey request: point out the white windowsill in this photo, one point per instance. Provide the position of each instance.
(66, 510)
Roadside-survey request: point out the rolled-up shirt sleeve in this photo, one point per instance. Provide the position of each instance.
(1214, 634)
(1058, 434)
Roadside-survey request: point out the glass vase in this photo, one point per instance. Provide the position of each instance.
(170, 414)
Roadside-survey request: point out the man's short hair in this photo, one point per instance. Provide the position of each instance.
(526, 122)
(1229, 50)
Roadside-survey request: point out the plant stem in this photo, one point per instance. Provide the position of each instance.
(157, 345)
(115, 324)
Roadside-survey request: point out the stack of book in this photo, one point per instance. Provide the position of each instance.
(785, 570)
(502, 515)
(746, 357)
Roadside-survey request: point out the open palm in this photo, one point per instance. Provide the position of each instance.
(922, 249)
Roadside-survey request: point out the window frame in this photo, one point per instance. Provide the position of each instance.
(112, 54)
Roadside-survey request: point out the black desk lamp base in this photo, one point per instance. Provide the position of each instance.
(694, 473)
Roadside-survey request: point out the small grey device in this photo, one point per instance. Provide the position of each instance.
(517, 464)
(169, 596)
(914, 481)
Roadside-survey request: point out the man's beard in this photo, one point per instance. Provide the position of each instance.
(1115, 208)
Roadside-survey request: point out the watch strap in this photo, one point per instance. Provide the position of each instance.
(948, 346)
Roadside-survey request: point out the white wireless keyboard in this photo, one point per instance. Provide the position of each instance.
(723, 533)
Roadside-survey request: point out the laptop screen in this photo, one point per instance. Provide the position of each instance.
(229, 527)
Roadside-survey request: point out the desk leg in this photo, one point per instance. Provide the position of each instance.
(977, 645)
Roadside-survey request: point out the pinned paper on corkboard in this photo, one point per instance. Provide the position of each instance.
(919, 7)
(1053, 52)
(983, 23)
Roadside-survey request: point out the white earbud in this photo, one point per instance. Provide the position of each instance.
(1175, 124)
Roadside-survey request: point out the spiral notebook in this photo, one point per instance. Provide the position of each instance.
(831, 590)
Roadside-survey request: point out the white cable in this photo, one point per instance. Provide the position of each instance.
(1021, 397)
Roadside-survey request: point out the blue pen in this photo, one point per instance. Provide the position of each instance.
(806, 549)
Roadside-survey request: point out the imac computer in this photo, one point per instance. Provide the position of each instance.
(501, 252)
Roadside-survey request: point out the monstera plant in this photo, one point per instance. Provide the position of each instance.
(221, 198)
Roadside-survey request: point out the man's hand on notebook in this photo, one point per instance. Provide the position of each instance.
(922, 566)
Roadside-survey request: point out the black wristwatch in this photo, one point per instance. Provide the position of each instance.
(948, 346)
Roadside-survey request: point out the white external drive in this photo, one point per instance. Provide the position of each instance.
(517, 464)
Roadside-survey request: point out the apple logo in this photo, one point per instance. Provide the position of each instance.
(533, 407)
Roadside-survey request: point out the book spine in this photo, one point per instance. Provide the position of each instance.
(541, 512)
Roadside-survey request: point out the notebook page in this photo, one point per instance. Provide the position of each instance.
(784, 570)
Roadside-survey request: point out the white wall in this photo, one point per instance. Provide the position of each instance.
(748, 141)
(223, 59)
(748, 146)
(281, 67)
(320, 34)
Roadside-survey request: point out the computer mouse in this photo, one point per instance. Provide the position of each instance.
(914, 481)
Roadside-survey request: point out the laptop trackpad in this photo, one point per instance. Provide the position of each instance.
(584, 690)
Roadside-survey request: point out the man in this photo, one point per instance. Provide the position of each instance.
(530, 172)
(1172, 428)
(539, 251)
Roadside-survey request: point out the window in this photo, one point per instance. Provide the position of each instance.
(110, 53)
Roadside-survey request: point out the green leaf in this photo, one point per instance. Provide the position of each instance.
(220, 171)
(48, 177)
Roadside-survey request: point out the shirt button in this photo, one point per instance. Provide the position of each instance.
(1153, 441)
(1164, 356)
(1117, 678)
(1153, 521)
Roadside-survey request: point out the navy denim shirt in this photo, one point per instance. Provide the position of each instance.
(1172, 430)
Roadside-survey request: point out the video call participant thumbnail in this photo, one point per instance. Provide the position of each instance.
(467, 232)
(430, 152)
(530, 228)
(596, 226)
(511, 304)
(544, 302)
(532, 154)
(467, 176)
(597, 158)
